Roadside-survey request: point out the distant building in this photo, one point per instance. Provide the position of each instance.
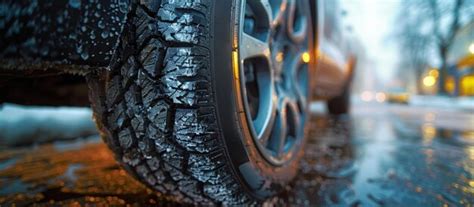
(461, 63)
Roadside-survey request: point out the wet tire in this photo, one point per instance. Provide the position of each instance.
(340, 104)
(168, 108)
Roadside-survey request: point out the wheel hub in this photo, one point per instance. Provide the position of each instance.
(274, 35)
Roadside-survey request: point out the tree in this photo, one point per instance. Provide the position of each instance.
(415, 47)
(432, 24)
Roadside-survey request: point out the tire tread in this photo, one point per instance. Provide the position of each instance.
(155, 107)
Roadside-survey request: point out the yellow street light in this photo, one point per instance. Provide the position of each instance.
(434, 73)
(471, 48)
(429, 81)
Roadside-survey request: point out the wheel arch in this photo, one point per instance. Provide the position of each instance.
(62, 33)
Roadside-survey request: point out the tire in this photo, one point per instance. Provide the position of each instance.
(340, 105)
(171, 111)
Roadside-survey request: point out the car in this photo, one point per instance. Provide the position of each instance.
(398, 95)
(203, 100)
(401, 98)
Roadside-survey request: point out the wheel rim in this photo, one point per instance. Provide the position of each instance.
(273, 40)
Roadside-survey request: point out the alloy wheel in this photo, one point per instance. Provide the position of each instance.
(274, 43)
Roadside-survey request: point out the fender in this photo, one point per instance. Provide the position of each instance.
(64, 32)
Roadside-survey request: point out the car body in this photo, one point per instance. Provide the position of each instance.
(335, 58)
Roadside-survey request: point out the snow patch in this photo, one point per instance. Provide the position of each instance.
(24, 125)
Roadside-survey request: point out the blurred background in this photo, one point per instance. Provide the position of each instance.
(412, 49)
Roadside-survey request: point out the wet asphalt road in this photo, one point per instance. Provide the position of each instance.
(380, 155)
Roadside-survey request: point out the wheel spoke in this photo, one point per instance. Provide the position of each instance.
(266, 108)
(287, 126)
(253, 47)
(278, 135)
(278, 9)
(299, 79)
(268, 122)
(268, 9)
(283, 137)
(297, 20)
(294, 119)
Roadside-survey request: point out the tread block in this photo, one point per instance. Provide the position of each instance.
(150, 57)
(186, 122)
(160, 176)
(186, 75)
(150, 92)
(113, 91)
(170, 154)
(146, 147)
(151, 5)
(184, 21)
(188, 187)
(128, 71)
(131, 157)
(205, 168)
(159, 115)
(116, 118)
(192, 133)
(133, 106)
(145, 173)
(125, 138)
(138, 125)
(145, 27)
(153, 163)
(180, 32)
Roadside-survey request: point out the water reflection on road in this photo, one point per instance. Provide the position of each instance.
(380, 155)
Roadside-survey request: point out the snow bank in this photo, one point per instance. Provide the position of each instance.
(22, 125)
(466, 103)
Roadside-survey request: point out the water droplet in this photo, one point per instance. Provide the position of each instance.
(73, 36)
(104, 34)
(75, 3)
(123, 6)
(44, 51)
(101, 24)
(60, 19)
(79, 49)
(85, 55)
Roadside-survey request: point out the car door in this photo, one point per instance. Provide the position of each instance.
(332, 55)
